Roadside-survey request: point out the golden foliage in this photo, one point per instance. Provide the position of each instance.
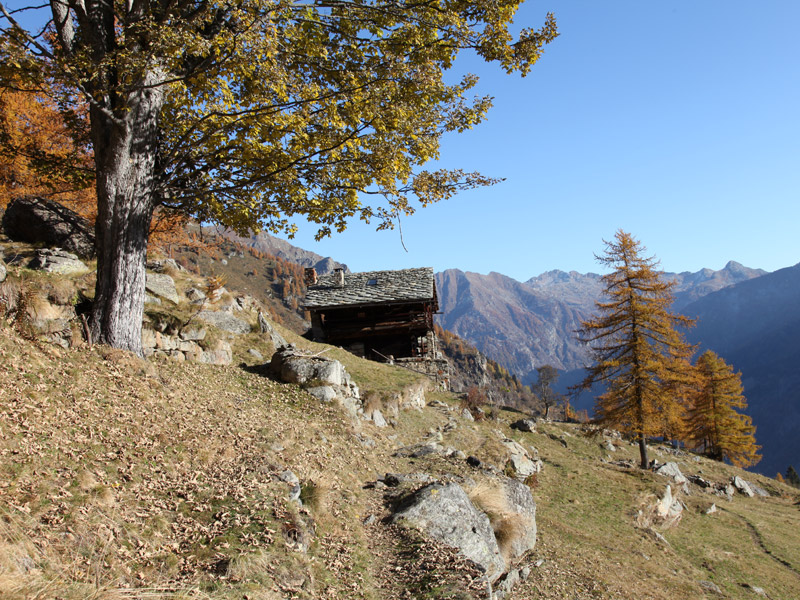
(716, 423)
(39, 155)
(638, 353)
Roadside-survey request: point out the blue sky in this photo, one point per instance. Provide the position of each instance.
(674, 120)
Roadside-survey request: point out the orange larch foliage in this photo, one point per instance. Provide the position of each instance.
(40, 156)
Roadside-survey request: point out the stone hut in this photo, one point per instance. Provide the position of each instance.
(379, 315)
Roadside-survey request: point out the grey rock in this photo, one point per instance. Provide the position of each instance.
(466, 415)
(445, 513)
(221, 355)
(710, 586)
(163, 286)
(525, 571)
(672, 470)
(323, 393)
(699, 481)
(39, 220)
(710, 510)
(148, 299)
(523, 466)
(195, 295)
(3, 271)
(524, 425)
(758, 491)
(520, 502)
(377, 418)
(290, 366)
(508, 582)
(609, 446)
(668, 509)
(278, 341)
(418, 450)
(225, 321)
(759, 591)
(742, 486)
(57, 261)
(255, 354)
(193, 334)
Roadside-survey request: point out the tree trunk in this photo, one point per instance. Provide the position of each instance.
(644, 464)
(125, 154)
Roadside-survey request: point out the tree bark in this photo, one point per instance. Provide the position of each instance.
(125, 154)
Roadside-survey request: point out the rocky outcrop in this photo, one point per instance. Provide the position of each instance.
(163, 286)
(324, 378)
(39, 220)
(57, 261)
(444, 512)
(224, 320)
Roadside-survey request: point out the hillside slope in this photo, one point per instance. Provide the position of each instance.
(125, 478)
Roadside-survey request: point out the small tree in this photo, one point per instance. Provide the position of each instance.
(638, 353)
(716, 423)
(547, 375)
(792, 478)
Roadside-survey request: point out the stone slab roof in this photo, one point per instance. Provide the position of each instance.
(373, 287)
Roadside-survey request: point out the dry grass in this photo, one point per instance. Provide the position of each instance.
(508, 526)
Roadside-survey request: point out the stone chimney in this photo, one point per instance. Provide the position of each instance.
(338, 277)
(310, 276)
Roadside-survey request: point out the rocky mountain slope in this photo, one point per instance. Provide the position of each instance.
(269, 244)
(525, 325)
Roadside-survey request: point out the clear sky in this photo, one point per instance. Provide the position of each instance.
(675, 120)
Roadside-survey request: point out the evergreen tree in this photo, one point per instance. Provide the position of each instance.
(792, 478)
(638, 353)
(716, 423)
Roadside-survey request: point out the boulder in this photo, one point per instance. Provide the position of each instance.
(3, 271)
(39, 220)
(466, 415)
(290, 366)
(445, 513)
(672, 470)
(669, 510)
(522, 512)
(742, 486)
(524, 425)
(57, 261)
(224, 321)
(195, 295)
(161, 285)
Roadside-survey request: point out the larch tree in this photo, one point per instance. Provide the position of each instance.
(44, 152)
(251, 112)
(716, 424)
(638, 353)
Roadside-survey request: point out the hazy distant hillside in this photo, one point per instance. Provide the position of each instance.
(525, 325)
(755, 325)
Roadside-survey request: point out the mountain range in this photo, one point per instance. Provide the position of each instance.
(524, 325)
(748, 316)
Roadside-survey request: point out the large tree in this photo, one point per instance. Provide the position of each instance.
(639, 355)
(716, 424)
(249, 112)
